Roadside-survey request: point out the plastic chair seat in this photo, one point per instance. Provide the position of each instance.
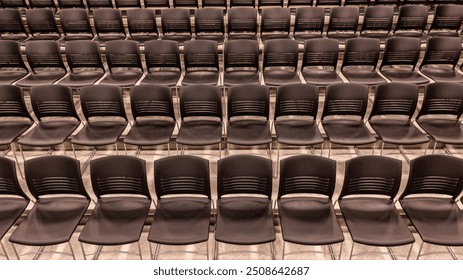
(165, 78)
(75, 37)
(51, 221)
(98, 133)
(298, 132)
(8, 77)
(148, 133)
(219, 38)
(199, 132)
(80, 79)
(266, 37)
(306, 36)
(442, 74)
(10, 210)
(309, 221)
(10, 130)
(178, 38)
(279, 77)
(141, 38)
(122, 78)
(347, 132)
(51, 37)
(244, 220)
(341, 37)
(399, 132)
(102, 39)
(248, 132)
(41, 78)
(242, 37)
(320, 77)
(404, 76)
(443, 131)
(423, 37)
(116, 221)
(231, 78)
(381, 36)
(49, 133)
(363, 76)
(15, 37)
(201, 77)
(375, 222)
(181, 221)
(443, 34)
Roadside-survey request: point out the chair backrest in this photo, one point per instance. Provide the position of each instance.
(345, 99)
(361, 52)
(307, 174)
(127, 4)
(292, 3)
(83, 54)
(242, 19)
(395, 99)
(42, 54)
(201, 53)
(214, 3)
(372, 175)
(209, 20)
(122, 53)
(296, 99)
(141, 21)
(343, 19)
(14, 3)
(108, 20)
(442, 50)
(102, 101)
(182, 175)
(186, 3)
(200, 101)
(356, 2)
(328, 2)
(270, 3)
(175, 21)
(75, 21)
(281, 53)
(162, 53)
(241, 54)
(12, 102)
(65, 4)
(275, 20)
(447, 17)
(41, 21)
(320, 52)
(242, 103)
(10, 53)
(309, 19)
(42, 4)
(387, 2)
(244, 174)
(401, 51)
(412, 17)
(52, 101)
(442, 98)
(11, 21)
(119, 174)
(238, 3)
(151, 100)
(378, 18)
(91, 4)
(435, 174)
(9, 184)
(157, 4)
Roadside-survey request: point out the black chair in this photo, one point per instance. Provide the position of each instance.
(201, 63)
(443, 100)
(447, 21)
(214, 3)
(209, 24)
(240, 3)
(441, 58)
(319, 62)
(186, 4)
(119, 183)
(308, 220)
(328, 3)
(12, 67)
(183, 208)
(400, 57)
(244, 219)
(201, 117)
(142, 25)
(360, 61)
(280, 62)
(124, 4)
(94, 5)
(242, 23)
(309, 23)
(275, 24)
(12, 26)
(248, 116)
(108, 25)
(61, 202)
(241, 62)
(429, 200)
(42, 25)
(44, 58)
(71, 4)
(346, 100)
(75, 24)
(13, 201)
(343, 23)
(377, 22)
(36, 4)
(153, 114)
(412, 22)
(162, 59)
(367, 204)
(160, 4)
(393, 108)
(269, 3)
(124, 63)
(14, 4)
(300, 3)
(176, 25)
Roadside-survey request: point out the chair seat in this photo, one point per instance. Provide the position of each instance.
(375, 222)
(75, 37)
(180, 38)
(404, 76)
(439, 74)
(49, 133)
(341, 36)
(51, 221)
(102, 39)
(8, 77)
(41, 78)
(241, 36)
(238, 77)
(309, 221)
(15, 37)
(279, 77)
(321, 77)
(116, 221)
(98, 133)
(122, 78)
(165, 78)
(377, 35)
(10, 130)
(298, 132)
(347, 132)
(443, 33)
(443, 130)
(398, 132)
(438, 220)
(201, 77)
(244, 220)
(10, 210)
(45, 36)
(219, 38)
(142, 38)
(150, 133)
(199, 132)
(181, 221)
(80, 79)
(423, 37)
(363, 76)
(271, 36)
(248, 132)
(301, 37)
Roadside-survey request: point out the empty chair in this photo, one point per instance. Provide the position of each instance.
(186, 4)
(244, 205)
(275, 23)
(127, 4)
(308, 220)
(269, 3)
(153, 114)
(393, 108)
(157, 4)
(441, 58)
(350, 101)
(12, 67)
(163, 62)
(443, 100)
(367, 204)
(377, 22)
(214, 3)
(242, 23)
(14, 4)
(13, 201)
(447, 21)
(429, 200)
(412, 22)
(309, 23)
(119, 183)
(84, 60)
(280, 62)
(343, 23)
(241, 62)
(61, 202)
(360, 60)
(248, 116)
(108, 25)
(399, 61)
(96, 4)
(176, 25)
(201, 116)
(42, 24)
(71, 4)
(201, 63)
(12, 26)
(124, 63)
(76, 25)
(328, 3)
(319, 62)
(183, 208)
(44, 58)
(209, 24)
(300, 3)
(42, 4)
(142, 25)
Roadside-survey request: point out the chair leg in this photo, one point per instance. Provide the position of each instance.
(216, 250)
(278, 160)
(151, 250)
(64, 148)
(340, 251)
(83, 251)
(72, 250)
(156, 251)
(391, 253)
(125, 148)
(419, 251)
(220, 149)
(207, 249)
(17, 162)
(22, 153)
(4, 251)
(139, 250)
(272, 250)
(410, 251)
(98, 252)
(321, 149)
(283, 250)
(176, 148)
(434, 148)
(115, 146)
(15, 251)
(351, 250)
(382, 148)
(74, 151)
(168, 148)
(329, 151)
